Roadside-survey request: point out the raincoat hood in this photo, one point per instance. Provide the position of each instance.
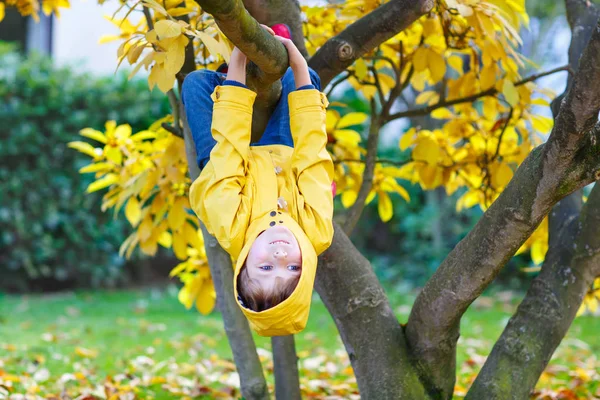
(290, 316)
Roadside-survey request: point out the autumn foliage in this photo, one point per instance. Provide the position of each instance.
(459, 64)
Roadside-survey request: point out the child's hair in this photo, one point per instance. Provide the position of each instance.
(255, 298)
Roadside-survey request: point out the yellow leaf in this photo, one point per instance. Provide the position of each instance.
(165, 239)
(133, 211)
(143, 135)
(167, 29)
(1, 11)
(581, 310)
(144, 230)
(501, 175)
(179, 11)
(407, 139)
(403, 193)
(106, 181)
(427, 97)
(510, 93)
(385, 207)
(96, 167)
(541, 124)
(427, 149)
(456, 62)
(488, 76)
(179, 268)
(442, 113)
(205, 302)
(93, 134)
(212, 45)
(176, 56)
(420, 59)
(360, 67)
(347, 136)
(191, 234)
(163, 80)
(155, 6)
(180, 245)
(370, 197)
(113, 154)
(189, 292)
(84, 148)
(353, 118)
(87, 353)
(437, 66)
(592, 303)
(349, 198)
(177, 214)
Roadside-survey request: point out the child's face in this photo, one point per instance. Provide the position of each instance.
(274, 254)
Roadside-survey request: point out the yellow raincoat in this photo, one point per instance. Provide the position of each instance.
(243, 190)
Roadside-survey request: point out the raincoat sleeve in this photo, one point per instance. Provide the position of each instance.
(217, 195)
(312, 165)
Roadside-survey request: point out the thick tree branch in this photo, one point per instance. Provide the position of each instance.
(546, 313)
(468, 99)
(253, 384)
(357, 208)
(381, 24)
(285, 366)
(271, 12)
(371, 333)
(266, 52)
(566, 163)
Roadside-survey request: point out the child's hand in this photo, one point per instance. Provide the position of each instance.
(297, 62)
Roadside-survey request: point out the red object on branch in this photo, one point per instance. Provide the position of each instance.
(282, 30)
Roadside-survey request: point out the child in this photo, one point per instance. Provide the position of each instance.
(269, 204)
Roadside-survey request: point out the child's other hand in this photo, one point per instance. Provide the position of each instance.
(297, 61)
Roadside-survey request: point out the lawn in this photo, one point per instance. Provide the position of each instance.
(144, 344)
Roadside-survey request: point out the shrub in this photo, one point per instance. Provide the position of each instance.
(51, 232)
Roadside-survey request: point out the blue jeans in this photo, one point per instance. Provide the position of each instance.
(195, 95)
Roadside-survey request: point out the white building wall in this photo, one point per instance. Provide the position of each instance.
(76, 34)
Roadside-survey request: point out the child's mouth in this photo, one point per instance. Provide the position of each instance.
(279, 241)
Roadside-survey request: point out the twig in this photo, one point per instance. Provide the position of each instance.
(148, 18)
(337, 82)
(490, 92)
(510, 114)
(176, 127)
(368, 174)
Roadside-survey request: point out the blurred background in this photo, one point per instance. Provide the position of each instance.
(76, 318)
(56, 79)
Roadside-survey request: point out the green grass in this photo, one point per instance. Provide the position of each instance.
(55, 332)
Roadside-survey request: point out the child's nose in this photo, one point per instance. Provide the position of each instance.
(280, 254)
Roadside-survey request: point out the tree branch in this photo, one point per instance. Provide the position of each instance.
(285, 366)
(381, 24)
(266, 52)
(547, 311)
(252, 380)
(467, 99)
(357, 208)
(271, 12)
(353, 295)
(550, 172)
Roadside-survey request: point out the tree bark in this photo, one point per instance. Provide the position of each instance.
(249, 368)
(373, 337)
(285, 366)
(567, 162)
(545, 315)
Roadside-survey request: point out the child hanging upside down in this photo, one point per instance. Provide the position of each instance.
(269, 203)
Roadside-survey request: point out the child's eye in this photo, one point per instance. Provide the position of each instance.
(266, 267)
(293, 268)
